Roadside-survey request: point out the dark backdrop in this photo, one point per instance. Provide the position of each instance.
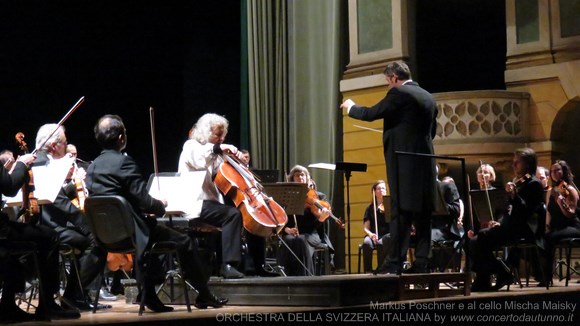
(179, 57)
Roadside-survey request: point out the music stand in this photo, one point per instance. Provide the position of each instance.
(347, 168)
(292, 197)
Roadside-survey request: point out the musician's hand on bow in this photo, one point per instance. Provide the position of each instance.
(27, 159)
(493, 224)
(375, 238)
(292, 231)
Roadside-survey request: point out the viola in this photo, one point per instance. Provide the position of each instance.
(261, 214)
(317, 207)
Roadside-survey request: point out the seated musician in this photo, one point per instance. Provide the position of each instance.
(113, 173)
(445, 225)
(304, 233)
(203, 152)
(46, 240)
(562, 215)
(68, 220)
(524, 197)
(375, 215)
(485, 176)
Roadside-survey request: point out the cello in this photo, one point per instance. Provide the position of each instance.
(261, 214)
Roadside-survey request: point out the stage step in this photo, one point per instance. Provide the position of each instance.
(330, 290)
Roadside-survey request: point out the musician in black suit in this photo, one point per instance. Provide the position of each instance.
(46, 240)
(115, 173)
(409, 123)
(67, 219)
(520, 221)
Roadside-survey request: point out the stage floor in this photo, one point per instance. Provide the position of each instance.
(559, 303)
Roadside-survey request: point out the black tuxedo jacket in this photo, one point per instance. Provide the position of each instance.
(409, 125)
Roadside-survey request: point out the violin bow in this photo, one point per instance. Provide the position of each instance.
(375, 207)
(60, 123)
(486, 191)
(153, 145)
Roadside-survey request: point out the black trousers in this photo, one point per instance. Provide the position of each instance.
(47, 242)
(400, 228)
(229, 219)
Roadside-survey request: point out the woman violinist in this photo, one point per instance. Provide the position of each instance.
(305, 233)
(374, 219)
(561, 215)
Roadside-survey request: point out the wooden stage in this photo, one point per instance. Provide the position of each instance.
(431, 298)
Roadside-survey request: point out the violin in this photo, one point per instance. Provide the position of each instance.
(30, 210)
(317, 206)
(563, 189)
(81, 190)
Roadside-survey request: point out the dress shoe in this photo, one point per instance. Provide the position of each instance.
(154, 304)
(57, 312)
(87, 305)
(230, 272)
(209, 300)
(481, 287)
(105, 295)
(503, 279)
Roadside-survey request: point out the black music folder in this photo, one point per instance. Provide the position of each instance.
(290, 195)
(265, 176)
(481, 208)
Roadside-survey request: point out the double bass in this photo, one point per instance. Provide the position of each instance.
(261, 214)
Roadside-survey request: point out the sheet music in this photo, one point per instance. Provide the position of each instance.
(48, 180)
(181, 192)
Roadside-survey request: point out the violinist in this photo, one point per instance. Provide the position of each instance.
(114, 173)
(524, 195)
(203, 152)
(68, 220)
(485, 176)
(72, 151)
(305, 233)
(375, 216)
(13, 272)
(561, 216)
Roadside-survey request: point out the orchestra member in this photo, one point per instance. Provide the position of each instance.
(46, 240)
(446, 226)
(375, 216)
(409, 124)
(543, 175)
(525, 198)
(305, 233)
(203, 152)
(245, 157)
(115, 173)
(68, 219)
(485, 176)
(561, 216)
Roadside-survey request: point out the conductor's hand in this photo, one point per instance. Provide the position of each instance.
(347, 104)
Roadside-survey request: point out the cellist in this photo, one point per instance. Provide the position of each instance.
(305, 233)
(203, 152)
